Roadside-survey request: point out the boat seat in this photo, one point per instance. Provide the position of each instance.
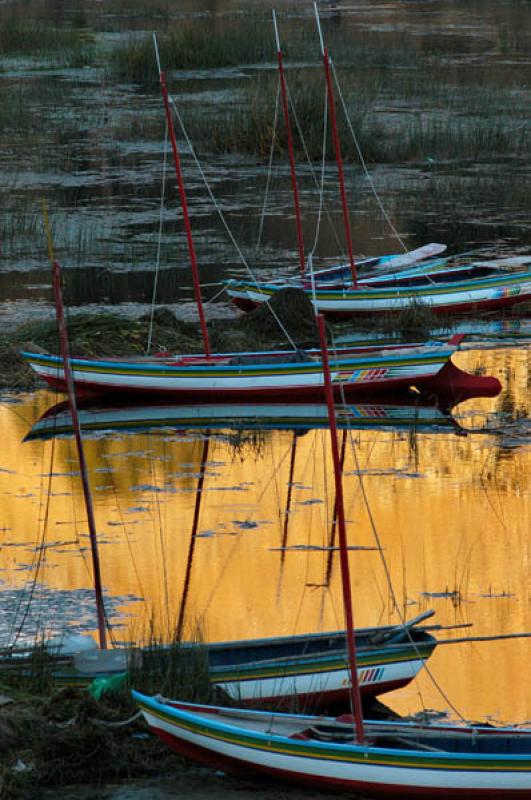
(330, 733)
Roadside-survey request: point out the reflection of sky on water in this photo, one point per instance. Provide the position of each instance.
(33, 612)
(451, 512)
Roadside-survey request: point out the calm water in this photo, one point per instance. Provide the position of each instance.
(452, 512)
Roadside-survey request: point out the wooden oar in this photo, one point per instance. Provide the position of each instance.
(495, 638)
(400, 630)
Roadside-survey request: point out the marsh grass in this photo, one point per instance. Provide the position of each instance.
(196, 46)
(68, 47)
(30, 672)
(410, 324)
(247, 125)
(174, 670)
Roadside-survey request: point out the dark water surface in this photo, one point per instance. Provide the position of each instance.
(94, 149)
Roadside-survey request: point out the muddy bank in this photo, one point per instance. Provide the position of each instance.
(67, 745)
(192, 783)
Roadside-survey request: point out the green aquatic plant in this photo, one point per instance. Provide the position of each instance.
(66, 46)
(190, 45)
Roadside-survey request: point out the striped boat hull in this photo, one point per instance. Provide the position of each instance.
(499, 291)
(478, 767)
(379, 370)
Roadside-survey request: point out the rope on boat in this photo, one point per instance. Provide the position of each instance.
(119, 724)
(224, 221)
(159, 241)
(321, 186)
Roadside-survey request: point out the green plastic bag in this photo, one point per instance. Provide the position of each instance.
(108, 685)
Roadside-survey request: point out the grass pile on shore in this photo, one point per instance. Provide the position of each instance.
(53, 736)
(69, 737)
(93, 335)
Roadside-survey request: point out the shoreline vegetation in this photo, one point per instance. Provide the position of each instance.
(54, 735)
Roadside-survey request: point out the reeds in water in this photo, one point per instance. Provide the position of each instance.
(67, 46)
(195, 46)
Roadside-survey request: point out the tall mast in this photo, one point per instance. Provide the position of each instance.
(184, 203)
(289, 136)
(63, 336)
(343, 547)
(337, 148)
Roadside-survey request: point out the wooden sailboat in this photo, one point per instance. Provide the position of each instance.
(389, 759)
(307, 671)
(395, 759)
(493, 292)
(273, 375)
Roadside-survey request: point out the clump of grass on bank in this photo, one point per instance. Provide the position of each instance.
(413, 323)
(112, 334)
(92, 335)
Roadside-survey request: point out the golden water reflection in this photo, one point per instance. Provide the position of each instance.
(451, 512)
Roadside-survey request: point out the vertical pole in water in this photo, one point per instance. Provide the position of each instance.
(288, 498)
(333, 527)
(343, 547)
(189, 560)
(184, 203)
(289, 137)
(337, 148)
(63, 335)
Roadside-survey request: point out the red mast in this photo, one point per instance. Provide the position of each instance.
(289, 137)
(69, 380)
(343, 547)
(184, 204)
(337, 149)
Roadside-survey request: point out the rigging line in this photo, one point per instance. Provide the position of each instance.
(254, 279)
(387, 573)
(159, 241)
(269, 168)
(230, 555)
(162, 544)
(76, 530)
(106, 617)
(127, 537)
(393, 595)
(319, 184)
(362, 160)
(40, 553)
